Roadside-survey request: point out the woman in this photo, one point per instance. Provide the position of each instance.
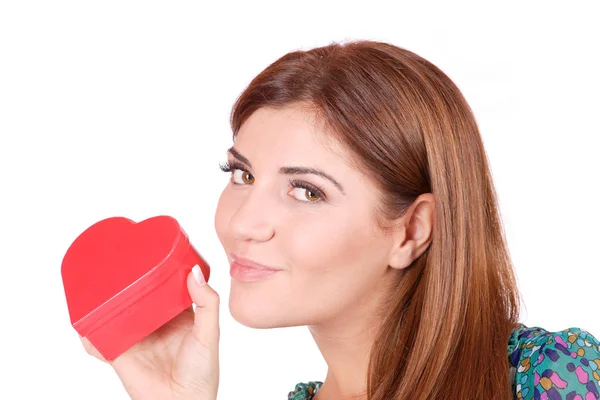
(360, 184)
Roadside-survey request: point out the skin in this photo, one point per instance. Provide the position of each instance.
(330, 252)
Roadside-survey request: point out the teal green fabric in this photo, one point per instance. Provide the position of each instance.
(304, 391)
(543, 366)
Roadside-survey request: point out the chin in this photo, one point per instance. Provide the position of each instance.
(260, 315)
(252, 317)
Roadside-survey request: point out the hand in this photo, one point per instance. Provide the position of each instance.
(180, 360)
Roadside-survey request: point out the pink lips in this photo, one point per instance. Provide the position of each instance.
(245, 270)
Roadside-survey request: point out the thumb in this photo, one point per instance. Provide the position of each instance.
(206, 319)
(197, 365)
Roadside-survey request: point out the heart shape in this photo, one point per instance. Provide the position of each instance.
(123, 280)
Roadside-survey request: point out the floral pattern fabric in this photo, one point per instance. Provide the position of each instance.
(563, 365)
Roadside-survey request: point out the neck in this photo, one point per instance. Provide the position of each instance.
(347, 357)
(345, 343)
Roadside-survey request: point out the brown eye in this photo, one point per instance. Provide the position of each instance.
(312, 196)
(306, 193)
(245, 176)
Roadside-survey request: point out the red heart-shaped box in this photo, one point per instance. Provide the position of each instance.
(123, 280)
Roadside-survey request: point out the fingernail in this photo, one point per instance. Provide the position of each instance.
(198, 276)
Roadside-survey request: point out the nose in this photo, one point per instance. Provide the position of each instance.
(253, 218)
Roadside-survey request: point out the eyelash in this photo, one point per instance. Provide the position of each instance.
(233, 165)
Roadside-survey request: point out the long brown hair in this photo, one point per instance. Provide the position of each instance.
(450, 317)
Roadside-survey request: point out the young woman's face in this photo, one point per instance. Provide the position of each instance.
(332, 258)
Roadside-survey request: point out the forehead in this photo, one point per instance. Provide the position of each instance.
(290, 134)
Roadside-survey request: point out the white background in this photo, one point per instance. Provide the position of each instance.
(121, 108)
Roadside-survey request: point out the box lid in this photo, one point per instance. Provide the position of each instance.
(115, 262)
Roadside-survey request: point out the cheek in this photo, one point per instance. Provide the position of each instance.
(339, 259)
(331, 243)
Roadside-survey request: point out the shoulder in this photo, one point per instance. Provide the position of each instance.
(305, 391)
(554, 365)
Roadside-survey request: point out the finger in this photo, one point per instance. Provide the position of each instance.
(91, 350)
(206, 319)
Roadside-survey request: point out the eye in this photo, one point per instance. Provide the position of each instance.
(309, 193)
(238, 171)
(245, 176)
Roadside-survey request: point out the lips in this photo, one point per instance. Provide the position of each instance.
(246, 262)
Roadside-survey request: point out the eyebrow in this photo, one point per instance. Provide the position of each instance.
(292, 170)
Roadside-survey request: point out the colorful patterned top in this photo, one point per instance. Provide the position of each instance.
(543, 366)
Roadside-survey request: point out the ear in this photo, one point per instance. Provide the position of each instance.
(413, 233)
